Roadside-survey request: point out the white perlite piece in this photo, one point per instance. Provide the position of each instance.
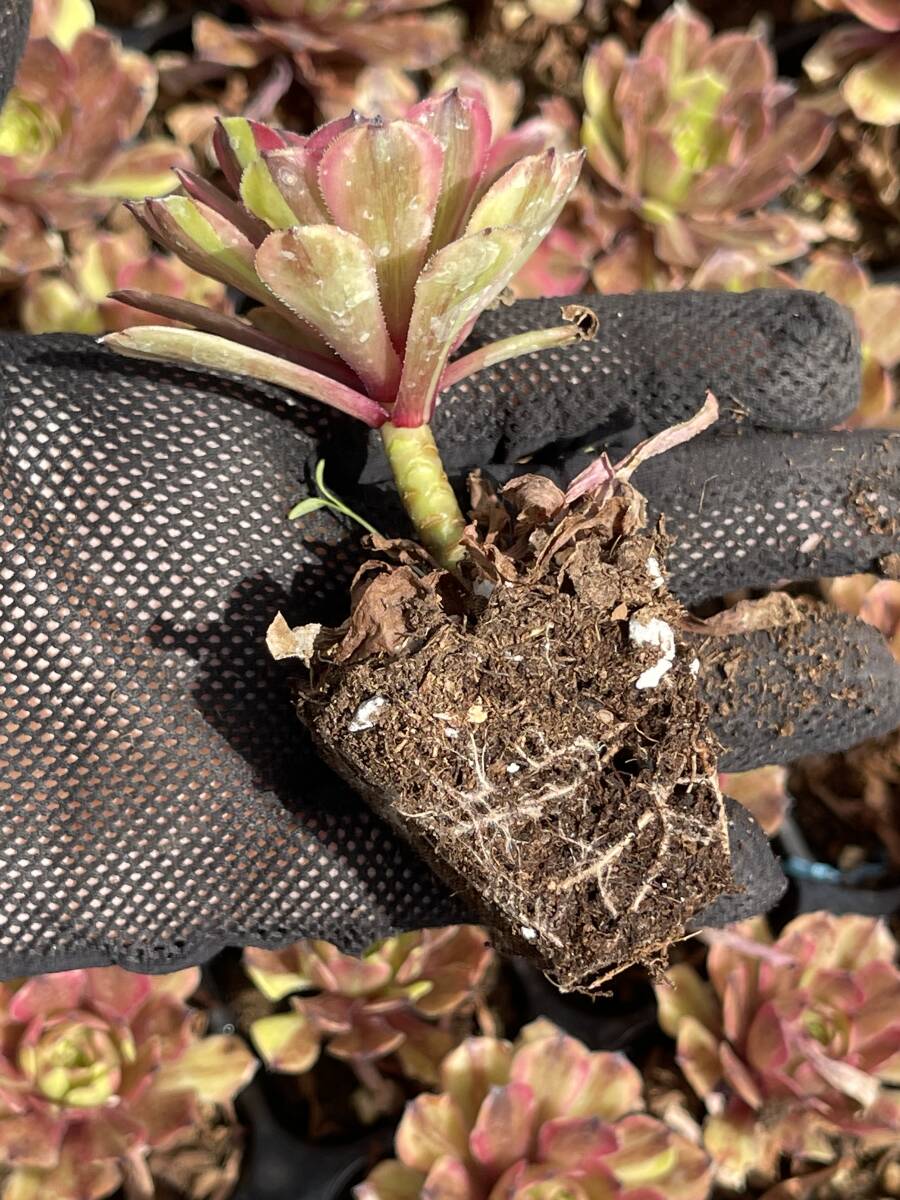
(655, 632)
(653, 570)
(529, 934)
(362, 718)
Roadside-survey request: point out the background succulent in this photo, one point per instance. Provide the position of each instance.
(329, 42)
(402, 1005)
(537, 1119)
(694, 136)
(100, 1067)
(76, 299)
(864, 58)
(792, 1043)
(67, 138)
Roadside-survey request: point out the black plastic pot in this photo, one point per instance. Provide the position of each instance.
(279, 1166)
(872, 888)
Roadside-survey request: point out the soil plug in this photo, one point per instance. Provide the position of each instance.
(531, 723)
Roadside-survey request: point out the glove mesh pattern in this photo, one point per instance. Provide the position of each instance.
(148, 748)
(157, 797)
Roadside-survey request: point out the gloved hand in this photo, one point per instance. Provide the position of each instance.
(159, 799)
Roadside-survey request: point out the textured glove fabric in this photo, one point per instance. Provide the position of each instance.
(158, 799)
(784, 360)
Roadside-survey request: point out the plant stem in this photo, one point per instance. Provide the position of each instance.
(425, 490)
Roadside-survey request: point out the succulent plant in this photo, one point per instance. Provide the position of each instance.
(792, 1044)
(561, 264)
(693, 136)
(864, 59)
(408, 999)
(371, 248)
(538, 1119)
(75, 299)
(99, 1068)
(875, 306)
(67, 130)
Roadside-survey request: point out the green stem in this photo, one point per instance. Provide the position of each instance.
(425, 491)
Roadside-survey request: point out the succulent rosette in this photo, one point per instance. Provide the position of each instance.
(67, 139)
(876, 308)
(98, 1068)
(371, 248)
(695, 135)
(408, 997)
(75, 299)
(792, 1044)
(560, 265)
(543, 1118)
(863, 59)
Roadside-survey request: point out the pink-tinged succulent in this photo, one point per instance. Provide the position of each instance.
(97, 1068)
(371, 248)
(76, 299)
(762, 791)
(864, 59)
(875, 306)
(67, 149)
(695, 135)
(541, 1119)
(792, 1044)
(402, 1005)
(330, 41)
(561, 264)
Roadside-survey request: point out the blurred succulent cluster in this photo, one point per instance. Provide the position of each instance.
(691, 138)
(540, 1118)
(100, 1068)
(68, 130)
(863, 56)
(399, 1008)
(792, 1044)
(329, 42)
(75, 298)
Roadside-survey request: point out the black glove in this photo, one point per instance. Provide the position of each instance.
(160, 799)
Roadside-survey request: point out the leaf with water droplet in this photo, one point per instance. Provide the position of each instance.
(530, 196)
(329, 280)
(394, 177)
(293, 173)
(237, 142)
(261, 195)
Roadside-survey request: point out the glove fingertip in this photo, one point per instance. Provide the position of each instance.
(757, 873)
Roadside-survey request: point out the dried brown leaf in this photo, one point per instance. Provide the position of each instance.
(747, 616)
